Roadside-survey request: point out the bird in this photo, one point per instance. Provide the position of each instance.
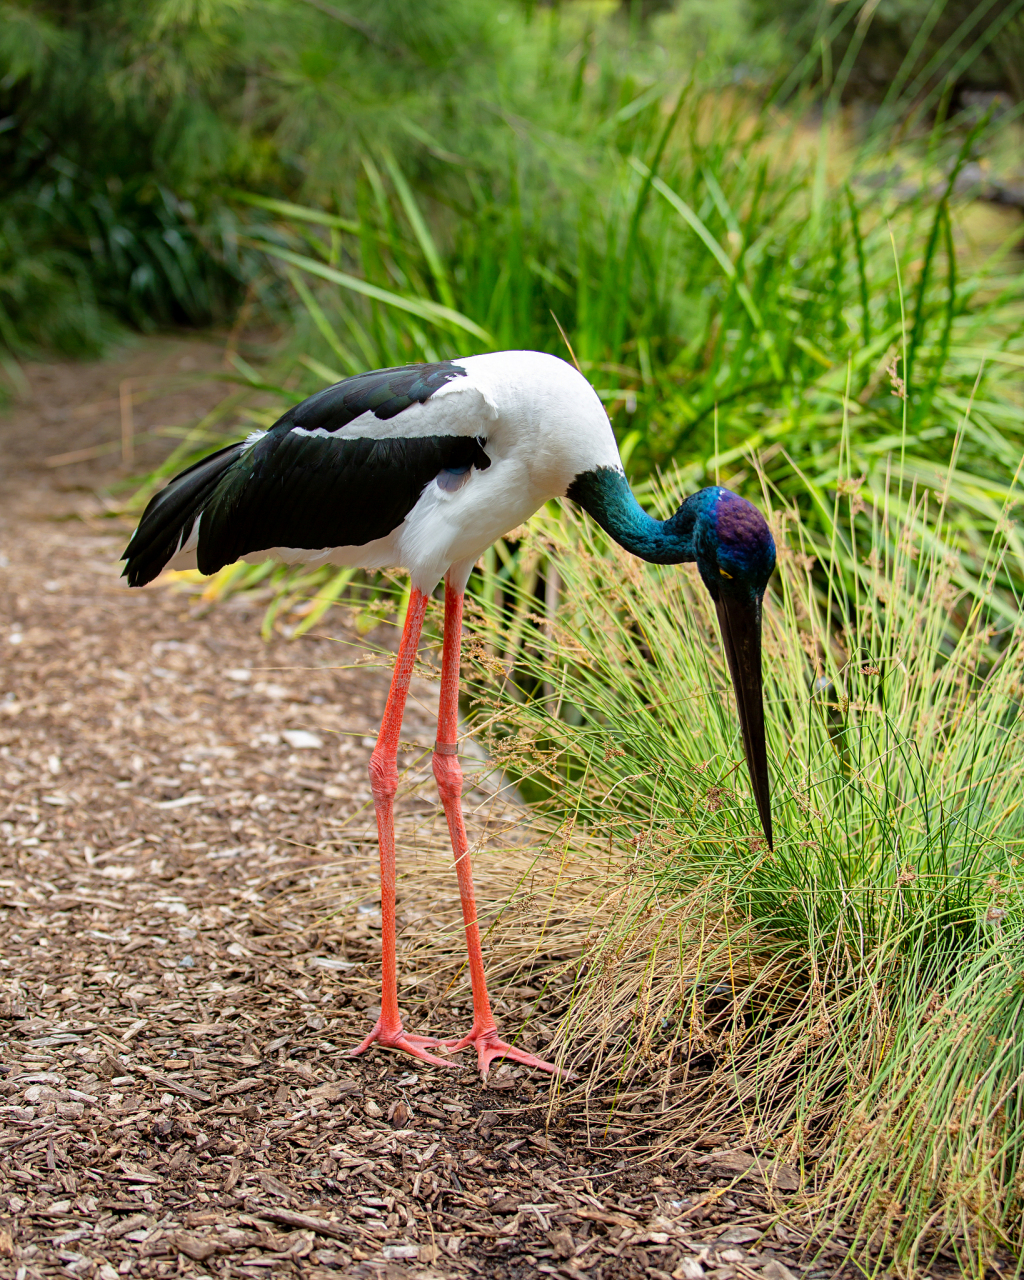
(422, 467)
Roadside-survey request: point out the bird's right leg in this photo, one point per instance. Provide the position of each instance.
(384, 783)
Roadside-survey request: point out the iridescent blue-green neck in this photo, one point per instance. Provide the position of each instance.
(605, 494)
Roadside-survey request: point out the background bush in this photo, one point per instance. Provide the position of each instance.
(888, 47)
(123, 123)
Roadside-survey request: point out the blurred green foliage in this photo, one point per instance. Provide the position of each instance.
(122, 121)
(887, 50)
(507, 146)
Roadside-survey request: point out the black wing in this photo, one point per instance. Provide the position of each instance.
(310, 492)
(385, 392)
(168, 519)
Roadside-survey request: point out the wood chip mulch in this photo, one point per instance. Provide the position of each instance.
(175, 1096)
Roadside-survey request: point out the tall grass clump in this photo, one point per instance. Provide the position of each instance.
(849, 1003)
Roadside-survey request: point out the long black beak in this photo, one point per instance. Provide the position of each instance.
(741, 634)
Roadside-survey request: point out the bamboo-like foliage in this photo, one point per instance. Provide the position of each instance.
(123, 121)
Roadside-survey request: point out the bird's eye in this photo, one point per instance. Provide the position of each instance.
(725, 575)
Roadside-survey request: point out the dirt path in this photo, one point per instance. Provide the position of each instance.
(174, 1001)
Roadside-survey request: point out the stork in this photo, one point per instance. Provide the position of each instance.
(422, 467)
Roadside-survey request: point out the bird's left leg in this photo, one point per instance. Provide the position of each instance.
(384, 783)
(448, 773)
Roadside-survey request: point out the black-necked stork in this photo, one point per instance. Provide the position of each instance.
(422, 467)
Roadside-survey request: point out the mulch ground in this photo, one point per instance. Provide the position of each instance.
(175, 1006)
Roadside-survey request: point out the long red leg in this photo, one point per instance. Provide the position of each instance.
(384, 783)
(448, 772)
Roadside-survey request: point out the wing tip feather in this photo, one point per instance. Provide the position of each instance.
(170, 518)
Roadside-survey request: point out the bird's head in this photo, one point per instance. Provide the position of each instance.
(735, 554)
(730, 541)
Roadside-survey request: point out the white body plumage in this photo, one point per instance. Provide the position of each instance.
(539, 422)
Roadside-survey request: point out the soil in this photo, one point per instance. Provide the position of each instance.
(178, 802)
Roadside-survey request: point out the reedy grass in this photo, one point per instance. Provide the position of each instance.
(698, 270)
(853, 995)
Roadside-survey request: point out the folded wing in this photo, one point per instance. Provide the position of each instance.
(340, 469)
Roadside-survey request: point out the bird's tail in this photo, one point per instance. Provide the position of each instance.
(168, 522)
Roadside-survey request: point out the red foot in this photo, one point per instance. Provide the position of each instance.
(398, 1038)
(489, 1046)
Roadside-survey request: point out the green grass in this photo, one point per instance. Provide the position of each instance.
(848, 1003)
